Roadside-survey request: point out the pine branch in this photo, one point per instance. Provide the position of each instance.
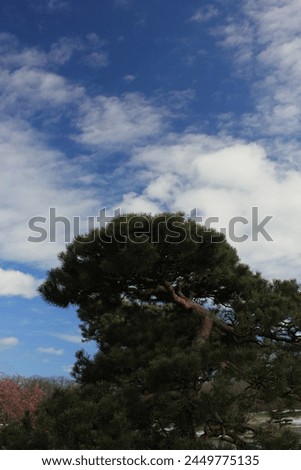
(208, 320)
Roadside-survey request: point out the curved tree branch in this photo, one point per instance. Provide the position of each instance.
(208, 320)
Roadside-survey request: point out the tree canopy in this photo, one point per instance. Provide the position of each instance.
(191, 342)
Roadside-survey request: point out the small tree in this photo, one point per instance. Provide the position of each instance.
(190, 340)
(17, 399)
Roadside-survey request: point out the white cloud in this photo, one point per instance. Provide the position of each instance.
(16, 283)
(37, 88)
(26, 82)
(46, 177)
(41, 180)
(76, 339)
(223, 177)
(55, 5)
(275, 20)
(129, 78)
(97, 59)
(9, 342)
(14, 55)
(117, 123)
(123, 3)
(95, 40)
(68, 369)
(203, 15)
(265, 41)
(89, 50)
(62, 50)
(53, 351)
(133, 202)
(220, 176)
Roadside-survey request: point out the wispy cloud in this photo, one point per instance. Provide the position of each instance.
(119, 123)
(62, 50)
(14, 55)
(123, 3)
(265, 42)
(97, 59)
(76, 339)
(88, 49)
(67, 369)
(52, 351)
(129, 78)
(51, 6)
(9, 342)
(54, 5)
(205, 14)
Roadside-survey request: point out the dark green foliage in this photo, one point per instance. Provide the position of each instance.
(158, 381)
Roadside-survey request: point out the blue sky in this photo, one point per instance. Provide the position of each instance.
(144, 106)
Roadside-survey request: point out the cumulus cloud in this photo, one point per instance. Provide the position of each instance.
(36, 88)
(225, 178)
(34, 175)
(46, 177)
(41, 180)
(16, 283)
(218, 175)
(52, 351)
(8, 342)
(27, 83)
(14, 55)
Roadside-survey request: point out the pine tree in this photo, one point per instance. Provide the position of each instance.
(190, 341)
